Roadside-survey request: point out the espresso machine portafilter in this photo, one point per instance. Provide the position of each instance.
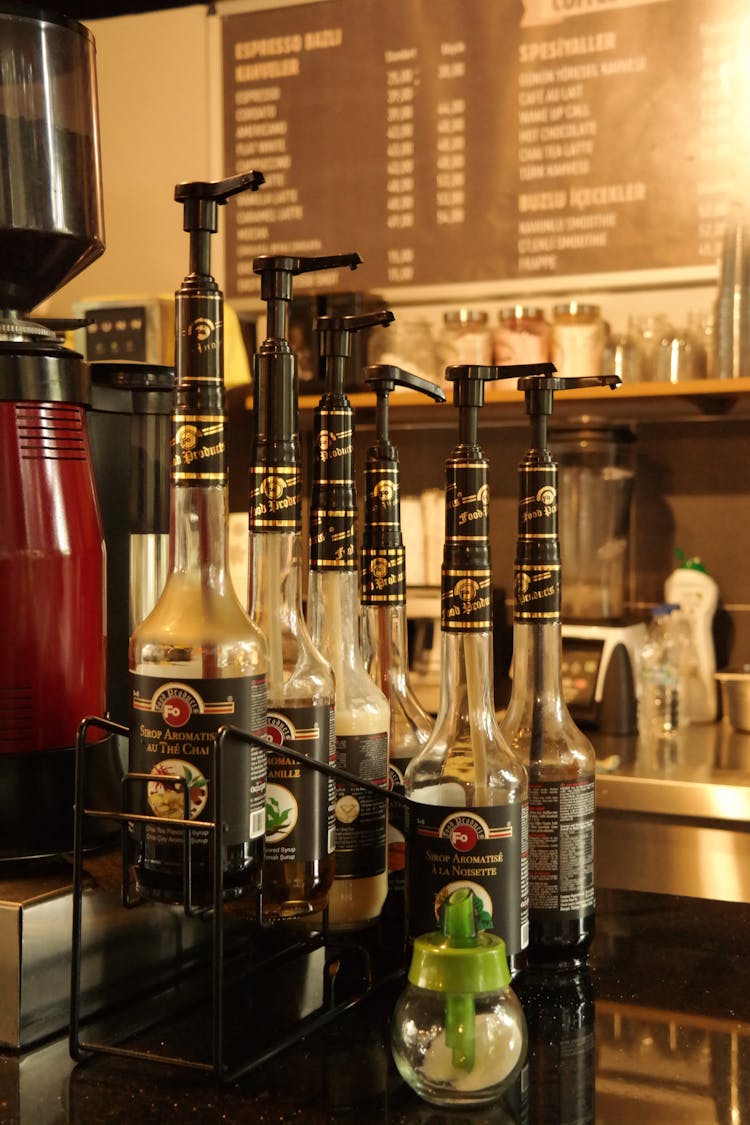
(52, 560)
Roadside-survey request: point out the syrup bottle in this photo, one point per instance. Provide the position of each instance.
(468, 790)
(197, 662)
(384, 624)
(299, 863)
(362, 712)
(537, 724)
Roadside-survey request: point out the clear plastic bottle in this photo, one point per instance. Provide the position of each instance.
(362, 712)
(469, 822)
(660, 710)
(197, 662)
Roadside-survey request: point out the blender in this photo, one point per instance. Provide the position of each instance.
(52, 601)
(600, 640)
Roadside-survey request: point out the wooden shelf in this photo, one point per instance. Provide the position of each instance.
(631, 402)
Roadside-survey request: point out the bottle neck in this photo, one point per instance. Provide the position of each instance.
(467, 697)
(334, 616)
(386, 646)
(275, 577)
(197, 534)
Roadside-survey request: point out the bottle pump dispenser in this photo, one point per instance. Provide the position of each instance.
(299, 861)
(537, 725)
(383, 570)
(469, 792)
(362, 712)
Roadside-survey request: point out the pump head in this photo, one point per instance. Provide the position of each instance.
(201, 200)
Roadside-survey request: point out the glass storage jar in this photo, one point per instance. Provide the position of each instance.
(466, 337)
(522, 335)
(578, 335)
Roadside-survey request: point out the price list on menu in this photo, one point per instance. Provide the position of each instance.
(453, 141)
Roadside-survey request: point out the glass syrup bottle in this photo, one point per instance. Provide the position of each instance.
(299, 862)
(537, 724)
(197, 662)
(384, 623)
(468, 790)
(362, 713)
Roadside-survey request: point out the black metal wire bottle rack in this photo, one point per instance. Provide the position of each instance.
(263, 948)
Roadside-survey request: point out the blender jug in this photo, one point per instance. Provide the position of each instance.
(595, 489)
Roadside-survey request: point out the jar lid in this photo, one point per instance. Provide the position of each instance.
(456, 958)
(577, 308)
(455, 317)
(521, 312)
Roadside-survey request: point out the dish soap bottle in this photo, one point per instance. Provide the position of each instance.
(299, 863)
(384, 631)
(362, 713)
(468, 791)
(537, 724)
(197, 662)
(696, 593)
(458, 1032)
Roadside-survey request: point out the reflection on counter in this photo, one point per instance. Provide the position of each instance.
(676, 822)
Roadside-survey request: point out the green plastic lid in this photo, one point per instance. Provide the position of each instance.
(456, 958)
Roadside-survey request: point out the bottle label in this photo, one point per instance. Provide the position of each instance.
(466, 600)
(537, 594)
(275, 498)
(333, 517)
(299, 801)
(561, 846)
(198, 419)
(383, 576)
(360, 815)
(198, 449)
(383, 559)
(172, 735)
(484, 849)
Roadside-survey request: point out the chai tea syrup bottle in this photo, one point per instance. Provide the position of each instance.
(197, 662)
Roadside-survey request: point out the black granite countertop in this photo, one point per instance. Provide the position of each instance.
(655, 1031)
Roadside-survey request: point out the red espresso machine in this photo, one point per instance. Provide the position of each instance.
(52, 561)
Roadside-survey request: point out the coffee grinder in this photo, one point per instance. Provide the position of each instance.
(52, 592)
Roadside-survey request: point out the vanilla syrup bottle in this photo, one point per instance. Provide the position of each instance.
(384, 623)
(537, 724)
(299, 862)
(468, 791)
(362, 712)
(197, 662)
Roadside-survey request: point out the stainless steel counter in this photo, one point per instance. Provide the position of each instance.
(676, 823)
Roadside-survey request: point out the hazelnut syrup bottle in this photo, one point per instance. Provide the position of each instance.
(537, 725)
(468, 791)
(197, 662)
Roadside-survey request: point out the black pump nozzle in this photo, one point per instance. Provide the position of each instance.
(539, 386)
(383, 378)
(276, 273)
(383, 561)
(468, 394)
(201, 200)
(335, 341)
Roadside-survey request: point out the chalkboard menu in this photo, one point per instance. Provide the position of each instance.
(472, 140)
